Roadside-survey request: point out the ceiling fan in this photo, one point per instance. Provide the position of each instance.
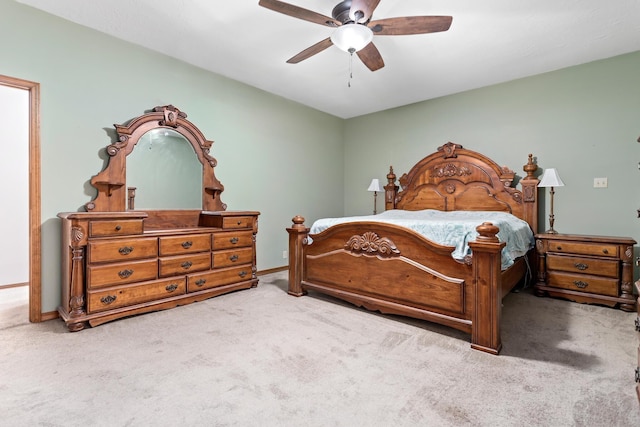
(355, 29)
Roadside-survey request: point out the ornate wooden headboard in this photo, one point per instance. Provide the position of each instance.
(454, 178)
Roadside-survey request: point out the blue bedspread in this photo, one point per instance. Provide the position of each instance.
(456, 228)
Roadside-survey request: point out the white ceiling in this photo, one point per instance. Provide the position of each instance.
(490, 41)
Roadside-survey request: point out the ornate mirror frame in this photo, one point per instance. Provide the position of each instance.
(111, 182)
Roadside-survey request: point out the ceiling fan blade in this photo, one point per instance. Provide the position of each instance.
(410, 25)
(299, 12)
(365, 7)
(310, 51)
(371, 57)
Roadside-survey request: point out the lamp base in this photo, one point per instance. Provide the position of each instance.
(551, 231)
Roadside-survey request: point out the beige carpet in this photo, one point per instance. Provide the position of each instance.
(260, 357)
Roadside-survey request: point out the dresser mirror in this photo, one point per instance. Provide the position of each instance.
(163, 172)
(160, 161)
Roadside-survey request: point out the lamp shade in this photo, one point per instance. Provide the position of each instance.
(550, 178)
(375, 185)
(352, 37)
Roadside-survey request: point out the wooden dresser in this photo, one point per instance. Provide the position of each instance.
(119, 261)
(115, 267)
(587, 269)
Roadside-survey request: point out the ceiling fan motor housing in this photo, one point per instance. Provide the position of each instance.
(341, 12)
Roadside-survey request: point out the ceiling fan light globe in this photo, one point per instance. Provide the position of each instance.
(352, 37)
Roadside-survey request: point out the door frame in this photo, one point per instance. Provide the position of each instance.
(35, 225)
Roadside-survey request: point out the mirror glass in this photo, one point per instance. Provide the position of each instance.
(166, 172)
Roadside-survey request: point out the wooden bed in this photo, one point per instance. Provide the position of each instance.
(394, 270)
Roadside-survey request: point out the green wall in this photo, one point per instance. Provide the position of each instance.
(583, 120)
(284, 159)
(89, 81)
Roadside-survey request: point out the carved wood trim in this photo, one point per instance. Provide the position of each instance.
(371, 244)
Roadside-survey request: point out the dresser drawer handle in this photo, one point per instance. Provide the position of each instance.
(125, 250)
(172, 287)
(239, 222)
(201, 282)
(186, 265)
(605, 251)
(559, 248)
(108, 299)
(242, 273)
(233, 258)
(233, 240)
(118, 227)
(580, 284)
(581, 266)
(125, 273)
(187, 244)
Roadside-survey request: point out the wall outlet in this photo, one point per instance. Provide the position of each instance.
(284, 254)
(600, 183)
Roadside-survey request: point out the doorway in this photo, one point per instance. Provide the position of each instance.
(34, 201)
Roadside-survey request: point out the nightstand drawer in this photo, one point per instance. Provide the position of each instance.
(594, 266)
(583, 283)
(582, 248)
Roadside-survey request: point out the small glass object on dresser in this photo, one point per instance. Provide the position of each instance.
(586, 269)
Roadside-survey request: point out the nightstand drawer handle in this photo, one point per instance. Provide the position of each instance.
(233, 258)
(559, 248)
(233, 240)
(581, 266)
(580, 284)
(605, 251)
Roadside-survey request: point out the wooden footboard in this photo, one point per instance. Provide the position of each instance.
(393, 270)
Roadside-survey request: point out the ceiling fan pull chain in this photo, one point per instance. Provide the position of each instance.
(350, 66)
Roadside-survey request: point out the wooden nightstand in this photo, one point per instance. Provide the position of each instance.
(586, 269)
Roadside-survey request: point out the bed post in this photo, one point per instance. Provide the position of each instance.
(487, 298)
(530, 194)
(297, 241)
(390, 190)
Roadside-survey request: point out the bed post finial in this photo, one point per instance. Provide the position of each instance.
(390, 190)
(530, 167)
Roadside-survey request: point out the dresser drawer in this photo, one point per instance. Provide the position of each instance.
(583, 283)
(237, 222)
(99, 276)
(188, 243)
(173, 266)
(115, 227)
(230, 257)
(121, 250)
(583, 248)
(232, 239)
(108, 299)
(573, 264)
(227, 276)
